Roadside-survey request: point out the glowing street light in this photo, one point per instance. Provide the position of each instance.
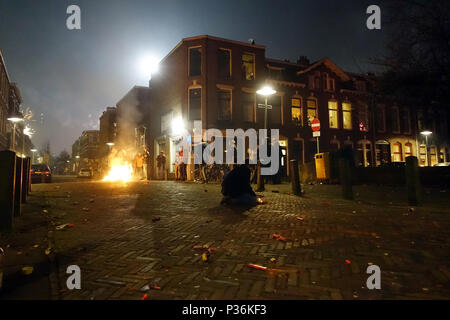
(33, 151)
(177, 126)
(266, 92)
(148, 66)
(426, 133)
(110, 144)
(15, 118)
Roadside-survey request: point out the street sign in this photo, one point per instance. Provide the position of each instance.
(316, 134)
(315, 124)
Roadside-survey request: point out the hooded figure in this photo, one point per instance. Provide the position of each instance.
(236, 188)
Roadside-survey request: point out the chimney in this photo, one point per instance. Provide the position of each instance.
(303, 60)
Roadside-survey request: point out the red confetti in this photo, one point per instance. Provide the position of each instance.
(300, 218)
(281, 238)
(256, 266)
(348, 261)
(275, 236)
(144, 297)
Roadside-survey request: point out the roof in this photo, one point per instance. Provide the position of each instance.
(329, 64)
(205, 36)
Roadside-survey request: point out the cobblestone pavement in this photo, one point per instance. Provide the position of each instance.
(121, 246)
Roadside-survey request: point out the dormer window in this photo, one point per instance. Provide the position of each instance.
(328, 82)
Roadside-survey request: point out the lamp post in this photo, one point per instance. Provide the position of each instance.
(14, 118)
(426, 133)
(266, 92)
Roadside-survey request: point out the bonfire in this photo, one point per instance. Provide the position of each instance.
(121, 170)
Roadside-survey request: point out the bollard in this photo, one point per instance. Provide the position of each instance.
(413, 181)
(259, 179)
(345, 178)
(295, 178)
(165, 174)
(25, 174)
(18, 189)
(7, 189)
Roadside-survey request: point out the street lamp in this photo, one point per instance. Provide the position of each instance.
(14, 118)
(34, 151)
(426, 133)
(266, 92)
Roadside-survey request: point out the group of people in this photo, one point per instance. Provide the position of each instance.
(180, 166)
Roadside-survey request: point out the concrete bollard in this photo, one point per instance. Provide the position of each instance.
(25, 174)
(345, 178)
(7, 189)
(259, 179)
(413, 181)
(295, 178)
(18, 189)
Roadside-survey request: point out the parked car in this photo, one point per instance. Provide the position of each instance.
(40, 173)
(85, 173)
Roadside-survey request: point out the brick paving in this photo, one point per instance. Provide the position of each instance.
(120, 248)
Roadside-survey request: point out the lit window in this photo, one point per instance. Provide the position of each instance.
(433, 155)
(195, 61)
(397, 151)
(408, 150)
(312, 110)
(347, 115)
(248, 106)
(195, 104)
(224, 63)
(296, 111)
(422, 155)
(333, 114)
(224, 103)
(248, 66)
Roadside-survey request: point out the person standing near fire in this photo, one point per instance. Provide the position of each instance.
(146, 163)
(161, 165)
(139, 166)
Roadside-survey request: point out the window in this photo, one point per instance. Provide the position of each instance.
(248, 66)
(423, 155)
(275, 74)
(347, 115)
(248, 106)
(363, 118)
(312, 110)
(395, 120)
(224, 104)
(380, 118)
(397, 152)
(406, 121)
(333, 114)
(296, 111)
(195, 61)
(442, 154)
(224, 63)
(328, 83)
(408, 150)
(195, 104)
(433, 155)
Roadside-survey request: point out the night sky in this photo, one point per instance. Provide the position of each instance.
(72, 76)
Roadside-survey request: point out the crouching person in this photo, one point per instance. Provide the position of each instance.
(236, 188)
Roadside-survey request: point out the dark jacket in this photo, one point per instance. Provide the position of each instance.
(237, 182)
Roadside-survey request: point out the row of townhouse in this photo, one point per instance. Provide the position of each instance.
(215, 80)
(10, 101)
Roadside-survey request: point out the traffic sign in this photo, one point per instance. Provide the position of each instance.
(316, 134)
(315, 124)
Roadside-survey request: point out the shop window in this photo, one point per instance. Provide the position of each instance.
(433, 155)
(347, 115)
(224, 63)
(296, 111)
(248, 66)
(363, 118)
(195, 104)
(248, 106)
(224, 104)
(312, 110)
(333, 114)
(397, 152)
(195, 61)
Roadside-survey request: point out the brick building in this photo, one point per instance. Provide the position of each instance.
(108, 130)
